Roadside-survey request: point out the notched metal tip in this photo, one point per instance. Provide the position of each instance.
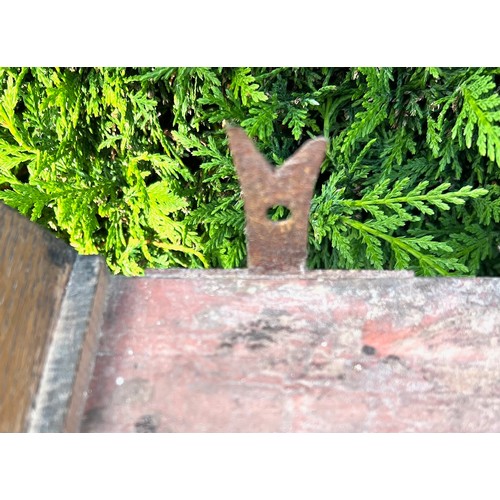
(276, 246)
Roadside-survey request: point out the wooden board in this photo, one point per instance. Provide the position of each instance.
(236, 351)
(62, 392)
(34, 270)
(51, 303)
(329, 351)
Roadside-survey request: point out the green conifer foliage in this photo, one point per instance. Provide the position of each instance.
(133, 163)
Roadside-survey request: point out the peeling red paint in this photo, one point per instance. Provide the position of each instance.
(231, 353)
(382, 335)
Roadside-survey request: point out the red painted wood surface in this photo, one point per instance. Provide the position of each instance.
(215, 351)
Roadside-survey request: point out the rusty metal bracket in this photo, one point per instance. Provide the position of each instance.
(276, 245)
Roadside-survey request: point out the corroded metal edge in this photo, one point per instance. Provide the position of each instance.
(276, 245)
(60, 400)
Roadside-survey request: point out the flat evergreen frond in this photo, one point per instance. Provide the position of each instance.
(27, 199)
(220, 106)
(433, 138)
(473, 246)
(479, 119)
(376, 92)
(261, 121)
(133, 163)
(374, 252)
(162, 203)
(397, 147)
(75, 212)
(245, 88)
(8, 103)
(159, 194)
(12, 156)
(342, 242)
(430, 256)
(296, 120)
(387, 209)
(166, 167)
(224, 222)
(297, 116)
(488, 208)
(153, 74)
(417, 197)
(171, 233)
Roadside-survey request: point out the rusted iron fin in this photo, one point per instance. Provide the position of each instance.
(276, 245)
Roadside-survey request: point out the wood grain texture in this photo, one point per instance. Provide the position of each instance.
(34, 270)
(326, 351)
(63, 388)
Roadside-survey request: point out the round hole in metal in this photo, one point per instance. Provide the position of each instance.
(278, 213)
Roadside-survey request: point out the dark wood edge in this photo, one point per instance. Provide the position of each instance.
(60, 401)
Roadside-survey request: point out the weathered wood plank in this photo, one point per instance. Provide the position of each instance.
(229, 351)
(51, 304)
(68, 368)
(34, 270)
(215, 351)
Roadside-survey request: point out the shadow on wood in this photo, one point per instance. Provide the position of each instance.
(36, 270)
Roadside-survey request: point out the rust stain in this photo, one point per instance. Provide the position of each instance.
(276, 245)
(383, 336)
